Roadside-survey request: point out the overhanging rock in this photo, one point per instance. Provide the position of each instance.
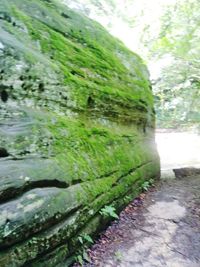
(76, 130)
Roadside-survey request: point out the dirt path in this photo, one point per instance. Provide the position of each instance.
(161, 228)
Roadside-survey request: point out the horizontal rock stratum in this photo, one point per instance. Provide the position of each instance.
(76, 130)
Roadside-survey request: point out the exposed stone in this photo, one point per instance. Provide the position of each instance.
(187, 171)
(76, 130)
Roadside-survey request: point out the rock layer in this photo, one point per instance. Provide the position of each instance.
(76, 130)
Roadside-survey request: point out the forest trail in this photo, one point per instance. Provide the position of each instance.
(161, 227)
(158, 229)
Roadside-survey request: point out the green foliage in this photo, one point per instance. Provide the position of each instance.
(127, 199)
(147, 184)
(118, 256)
(82, 255)
(177, 90)
(109, 211)
(79, 259)
(87, 238)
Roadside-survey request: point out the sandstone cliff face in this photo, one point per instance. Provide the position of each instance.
(76, 130)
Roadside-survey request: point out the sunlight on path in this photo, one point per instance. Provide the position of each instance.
(178, 149)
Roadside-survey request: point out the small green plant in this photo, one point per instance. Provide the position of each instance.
(83, 256)
(118, 256)
(127, 199)
(85, 240)
(145, 186)
(79, 259)
(109, 211)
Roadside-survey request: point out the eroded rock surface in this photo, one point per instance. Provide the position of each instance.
(76, 130)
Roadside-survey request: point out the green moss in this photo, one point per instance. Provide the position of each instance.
(84, 123)
(92, 152)
(88, 64)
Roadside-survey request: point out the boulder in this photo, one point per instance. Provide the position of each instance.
(186, 171)
(76, 130)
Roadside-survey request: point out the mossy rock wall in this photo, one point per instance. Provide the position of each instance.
(76, 130)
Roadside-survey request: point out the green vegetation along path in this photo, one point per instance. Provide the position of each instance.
(158, 229)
